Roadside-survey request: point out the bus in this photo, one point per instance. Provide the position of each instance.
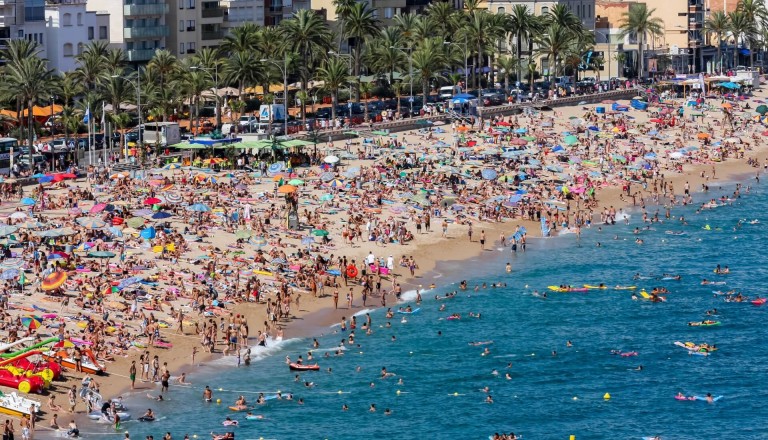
(8, 147)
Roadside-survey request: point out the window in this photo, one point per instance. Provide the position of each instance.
(181, 25)
(181, 4)
(80, 47)
(502, 10)
(544, 10)
(91, 33)
(40, 39)
(191, 4)
(21, 33)
(578, 11)
(79, 18)
(67, 20)
(181, 48)
(191, 48)
(103, 33)
(190, 25)
(388, 12)
(67, 49)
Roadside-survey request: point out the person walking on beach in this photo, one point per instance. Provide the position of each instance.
(335, 298)
(469, 232)
(132, 373)
(482, 239)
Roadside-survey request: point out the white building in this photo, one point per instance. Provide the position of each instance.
(23, 19)
(69, 28)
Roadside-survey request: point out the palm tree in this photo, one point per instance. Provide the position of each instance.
(383, 54)
(342, 11)
(121, 121)
(29, 80)
(522, 24)
(552, 44)
(237, 106)
(209, 60)
(531, 72)
(639, 20)
(718, 25)
(742, 29)
(306, 34)
(244, 69)
(562, 15)
(164, 64)
(429, 59)
(361, 23)
(757, 14)
(507, 65)
(441, 17)
(115, 59)
(195, 83)
(335, 73)
(407, 24)
(366, 88)
(243, 38)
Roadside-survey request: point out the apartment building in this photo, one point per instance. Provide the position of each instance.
(69, 28)
(139, 27)
(193, 25)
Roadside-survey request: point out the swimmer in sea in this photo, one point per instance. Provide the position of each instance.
(488, 399)
(385, 374)
(507, 376)
(710, 399)
(207, 394)
(486, 352)
(159, 397)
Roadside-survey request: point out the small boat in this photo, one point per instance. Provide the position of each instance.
(301, 367)
(87, 363)
(16, 405)
(100, 416)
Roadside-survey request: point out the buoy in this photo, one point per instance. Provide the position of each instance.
(572, 437)
(361, 352)
(607, 396)
(218, 400)
(575, 398)
(341, 392)
(221, 389)
(410, 352)
(398, 392)
(455, 394)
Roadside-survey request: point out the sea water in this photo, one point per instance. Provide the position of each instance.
(553, 391)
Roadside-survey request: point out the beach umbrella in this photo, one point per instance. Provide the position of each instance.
(331, 159)
(275, 168)
(336, 183)
(97, 208)
(327, 177)
(161, 215)
(702, 136)
(762, 109)
(53, 281)
(31, 322)
(198, 207)
(173, 199)
(118, 176)
(489, 174)
(66, 343)
(63, 176)
(115, 231)
(91, 223)
(259, 242)
(31, 224)
(12, 263)
(7, 230)
(50, 233)
(326, 197)
(8, 242)
(101, 254)
(570, 140)
(37, 175)
(28, 201)
(18, 215)
(286, 189)
(295, 182)
(307, 241)
(172, 166)
(9, 274)
(320, 233)
(135, 222)
(45, 179)
(279, 261)
(142, 212)
(243, 233)
(148, 233)
(152, 201)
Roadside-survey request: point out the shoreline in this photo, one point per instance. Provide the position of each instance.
(319, 314)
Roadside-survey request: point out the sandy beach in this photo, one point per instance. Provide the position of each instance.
(205, 251)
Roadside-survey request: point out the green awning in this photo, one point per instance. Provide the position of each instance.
(352, 133)
(263, 143)
(380, 133)
(295, 143)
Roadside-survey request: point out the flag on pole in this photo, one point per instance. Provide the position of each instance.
(103, 121)
(87, 116)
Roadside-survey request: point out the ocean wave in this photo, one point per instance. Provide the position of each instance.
(259, 352)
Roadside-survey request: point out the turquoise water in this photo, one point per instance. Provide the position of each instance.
(549, 396)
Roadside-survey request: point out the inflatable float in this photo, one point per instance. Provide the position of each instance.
(301, 367)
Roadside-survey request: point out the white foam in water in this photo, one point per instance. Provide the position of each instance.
(258, 352)
(408, 295)
(362, 312)
(622, 216)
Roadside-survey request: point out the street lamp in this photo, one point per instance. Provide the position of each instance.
(284, 70)
(607, 43)
(139, 141)
(215, 79)
(410, 70)
(466, 74)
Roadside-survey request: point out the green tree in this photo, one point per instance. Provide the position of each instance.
(429, 59)
(334, 73)
(552, 43)
(507, 66)
(640, 21)
(742, 28)
(523, 25)
(361, 23)
(718, 25)
(757, 14)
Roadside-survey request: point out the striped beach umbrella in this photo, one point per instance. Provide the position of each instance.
(54, 281)
(7, 230)
(91, 223)
(9, 274)
(173, 199)
(12, 263)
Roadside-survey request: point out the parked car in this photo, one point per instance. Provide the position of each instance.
(493, 99)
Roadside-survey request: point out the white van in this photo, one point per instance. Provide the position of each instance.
(448, 92)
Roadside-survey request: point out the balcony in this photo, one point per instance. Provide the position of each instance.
(212, 12)
(191, 51)
(275, 7)
(148, 9)
(190, 28)
(212, 35)
(145, 32)
(135, 55)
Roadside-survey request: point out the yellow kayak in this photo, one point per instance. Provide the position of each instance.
(589, 286)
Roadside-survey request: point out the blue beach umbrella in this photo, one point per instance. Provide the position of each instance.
(198, 207)
(45, 179)
(161, 215)
(489, 174)
(28, 201)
